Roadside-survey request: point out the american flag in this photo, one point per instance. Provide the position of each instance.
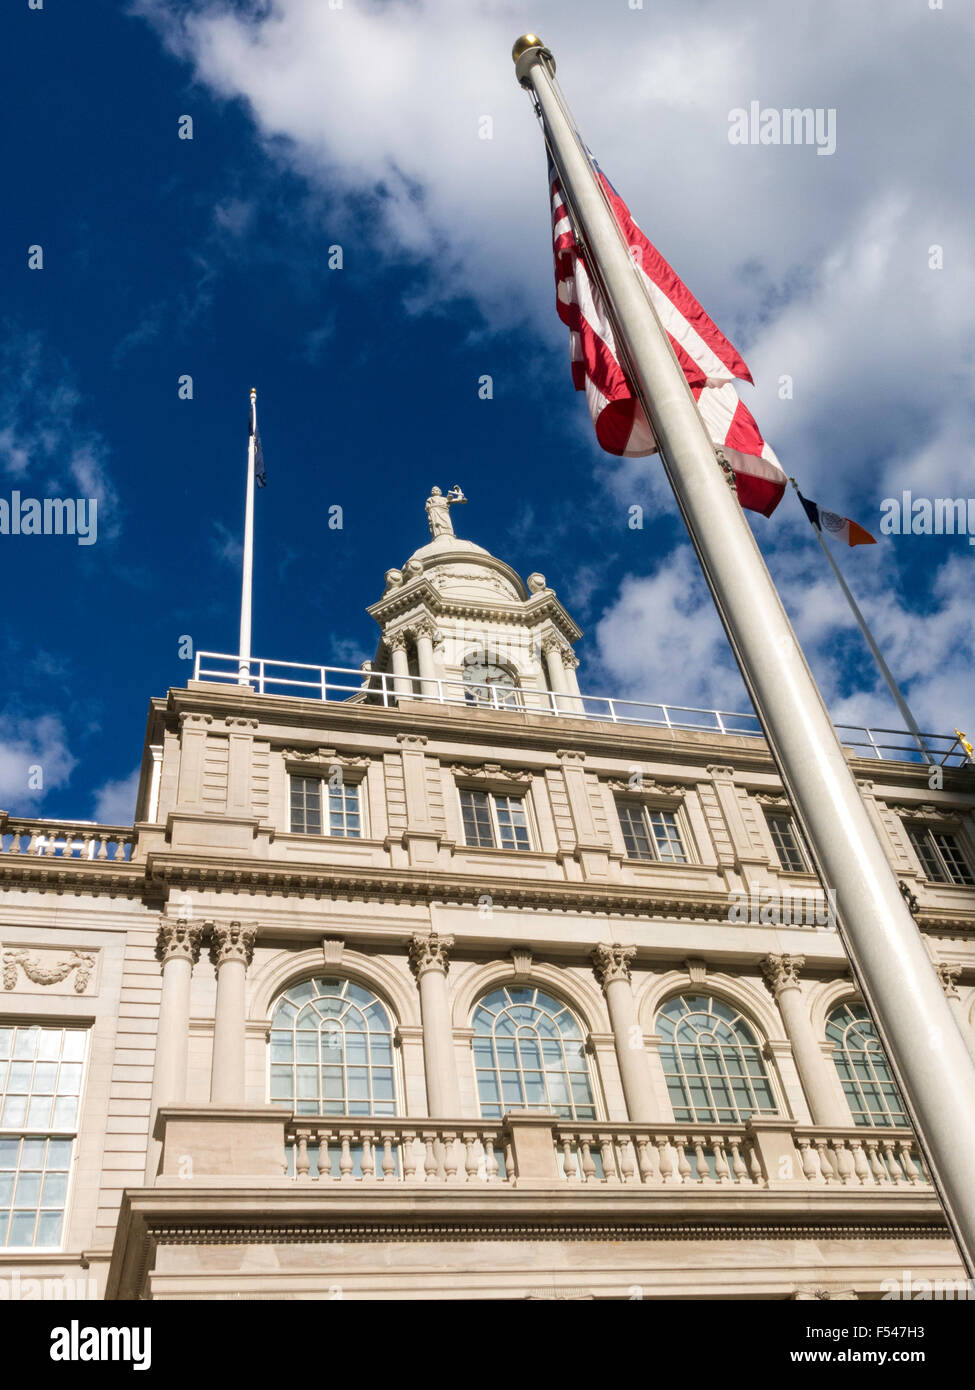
(709, 361)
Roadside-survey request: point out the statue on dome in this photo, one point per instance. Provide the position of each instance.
(438, 510)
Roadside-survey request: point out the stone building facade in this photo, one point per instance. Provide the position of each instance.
(454, 984)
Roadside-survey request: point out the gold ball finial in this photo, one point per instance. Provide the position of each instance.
(523, 44)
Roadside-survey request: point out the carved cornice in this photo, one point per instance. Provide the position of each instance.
(179, 939)
(412, 740)
(777, 799)
(325, 756)
(50, 972)
(232, 941)
(781, 972)
(611, 963)
(647, 786)
(429, 951)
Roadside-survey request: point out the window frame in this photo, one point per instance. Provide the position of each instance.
(859, 1015)
(784, 814)
(497, 1070)
(356, 782)
(932, 853)
(50, 1133)
(760, 1044)
(648, 809)
(516, 792)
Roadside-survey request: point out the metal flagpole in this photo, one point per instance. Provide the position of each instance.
(885, 670)
(885, 950)
(247, 582)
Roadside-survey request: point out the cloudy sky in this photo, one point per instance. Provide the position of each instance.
(317, 124)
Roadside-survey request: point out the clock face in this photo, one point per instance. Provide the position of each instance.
(484, 676)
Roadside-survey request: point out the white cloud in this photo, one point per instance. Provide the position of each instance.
(115, 801)
(34, 759)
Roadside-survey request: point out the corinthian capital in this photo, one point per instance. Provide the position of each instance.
(232, 941)
(948, 975)
(428, 951)
(179, 939)
(781, 972)
(611, 963)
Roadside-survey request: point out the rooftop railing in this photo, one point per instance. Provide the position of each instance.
(384, 688)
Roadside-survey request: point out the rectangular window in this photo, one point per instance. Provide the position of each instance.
(788, 844)
(41, 1072)
(342, 806)
(650, 834)
(940, 854)
(494, 821)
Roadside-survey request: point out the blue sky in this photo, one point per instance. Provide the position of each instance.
(358, 125)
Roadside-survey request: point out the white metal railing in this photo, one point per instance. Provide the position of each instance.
(385, 688)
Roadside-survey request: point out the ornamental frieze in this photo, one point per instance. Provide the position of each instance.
(48, 968)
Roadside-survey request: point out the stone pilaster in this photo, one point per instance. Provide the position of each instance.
(231, 950)
(826, 1105)
(177, 950)
(429, 962)
(611, 965)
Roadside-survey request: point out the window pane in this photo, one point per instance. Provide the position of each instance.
(476, 815)
(634, 829)
(717, 1072)
(514, 1068)
(786, 841)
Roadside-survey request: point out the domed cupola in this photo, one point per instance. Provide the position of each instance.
(457, 623)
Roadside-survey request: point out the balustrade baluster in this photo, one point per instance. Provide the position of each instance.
(891, 1162)
(754, 1167)
(345, 1162)
(102, 848)
(36, 843)
(490, 1162)
(607, 1152)
(570, 1165)
(430, 1157)
(389, 1162)
(645, 1155)
(701, 1163)
(721, 1170)
(667, 1170)
(408, 1154)
(737, 1162)
(826, 1170)
(679, 1142)
(368, 1160)
(302, 1161)
(876, 1167)
(588, 1162)
(471, 1164)
(860, 1165)
(450, 1156)
(810, 1168)
(323, 1138)
(911, 1169)
(627, 1164)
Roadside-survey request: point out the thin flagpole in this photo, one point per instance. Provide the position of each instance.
(886, 953)
(885, 670)
(247, 581)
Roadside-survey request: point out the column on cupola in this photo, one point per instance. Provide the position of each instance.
(826, 1105)
(402, 680)
(177, 950)
(429, 963)
(557, 678)
(425, 633)
(948, 975)
(231, 950)
(611, 965)
(570, 664)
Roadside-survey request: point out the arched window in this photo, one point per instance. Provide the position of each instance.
(871, 1090)
(529, 1053)
(332, 1050)
(712, 1061)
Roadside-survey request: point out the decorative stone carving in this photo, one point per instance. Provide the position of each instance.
(186, 717)
(611, 963)
(697, 970)
(719, 770)
(772, 799)
(781, 972)
(493, 772)
(521, 958)
(425, 628)
(412, 740)
(47, 972)
(647, 785)
(395, 641)
(179, 938)
(428, 951)
(232, 722)
(328, 756)
(569, 755)
(948, 975)
(394, 578)
(535, 583)
(332, 948)
(232, 941)
(438, 510)
(913, 906)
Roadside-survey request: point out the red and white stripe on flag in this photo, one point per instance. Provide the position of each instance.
(709, 361)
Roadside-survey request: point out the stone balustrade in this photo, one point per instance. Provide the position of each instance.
(391, 1150)
(861, 1157)
(66, 840)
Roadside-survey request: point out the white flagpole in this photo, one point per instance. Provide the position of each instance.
(247, 582)
(885, 950)
(885, 670)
